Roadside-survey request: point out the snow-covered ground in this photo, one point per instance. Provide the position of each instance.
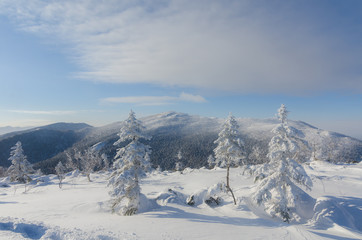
(80, 209)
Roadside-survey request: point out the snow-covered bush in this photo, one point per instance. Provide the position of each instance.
(89, 160)
(158, 169)
(229, 150)
(179, 166)
(278, 192)
(20, 167)
(86, 161)
(130, 163)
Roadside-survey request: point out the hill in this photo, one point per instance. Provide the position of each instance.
(43, 142)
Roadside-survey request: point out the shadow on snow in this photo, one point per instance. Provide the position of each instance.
(172, 212)
(31, 231)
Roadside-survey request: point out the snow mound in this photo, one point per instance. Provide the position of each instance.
(13, 228)
(146, 204)
(212, 196)
(345, 212)
(171, 196)
(303, 206)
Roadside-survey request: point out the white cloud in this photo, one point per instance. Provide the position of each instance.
(42, 112)
(191, 98)
(31, 122)
(141, 100)
(155, 100)
(234, 46)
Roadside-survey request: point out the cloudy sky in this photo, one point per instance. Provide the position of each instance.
(93, 61)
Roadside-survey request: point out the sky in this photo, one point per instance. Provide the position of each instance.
(92, 61)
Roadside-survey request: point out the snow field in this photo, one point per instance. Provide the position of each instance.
(80, 210)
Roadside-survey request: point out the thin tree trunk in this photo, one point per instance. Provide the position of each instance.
(88, 176)
(228, 183)
(227, 177)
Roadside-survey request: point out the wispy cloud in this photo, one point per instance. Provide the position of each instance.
(26, 122)
(238, 46)
(155, 100)
(42, 112)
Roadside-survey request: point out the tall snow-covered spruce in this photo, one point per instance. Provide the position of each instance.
(278, 192)
(20, 167)
(130, 163)
(229, 150)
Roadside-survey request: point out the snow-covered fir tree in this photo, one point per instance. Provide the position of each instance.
(179, 165)
(105, 160)
(60, 171)
(130, 163)
(278, 192)
(179, 155)
(20, 167)
(71, 162)
(229, 148)
(211, 161)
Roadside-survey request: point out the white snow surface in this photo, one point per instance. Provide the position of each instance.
(80, 210)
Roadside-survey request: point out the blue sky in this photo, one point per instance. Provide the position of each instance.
(93, 61)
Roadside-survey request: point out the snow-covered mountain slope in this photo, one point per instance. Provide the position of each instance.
(44, 142)
(324, 145)
(194, 136)
(80, 210)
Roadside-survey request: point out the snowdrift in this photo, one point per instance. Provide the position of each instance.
(345, 212)
(80, 209)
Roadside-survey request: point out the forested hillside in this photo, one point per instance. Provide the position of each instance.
(194, 136)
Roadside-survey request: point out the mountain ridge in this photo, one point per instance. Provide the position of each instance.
(194, 136)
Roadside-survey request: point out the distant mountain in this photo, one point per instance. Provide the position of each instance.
(194, 136)
(62, 126)
(8, 129)
(55, 126)
(44, 142)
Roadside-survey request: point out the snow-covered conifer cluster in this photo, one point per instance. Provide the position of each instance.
(86, 161)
